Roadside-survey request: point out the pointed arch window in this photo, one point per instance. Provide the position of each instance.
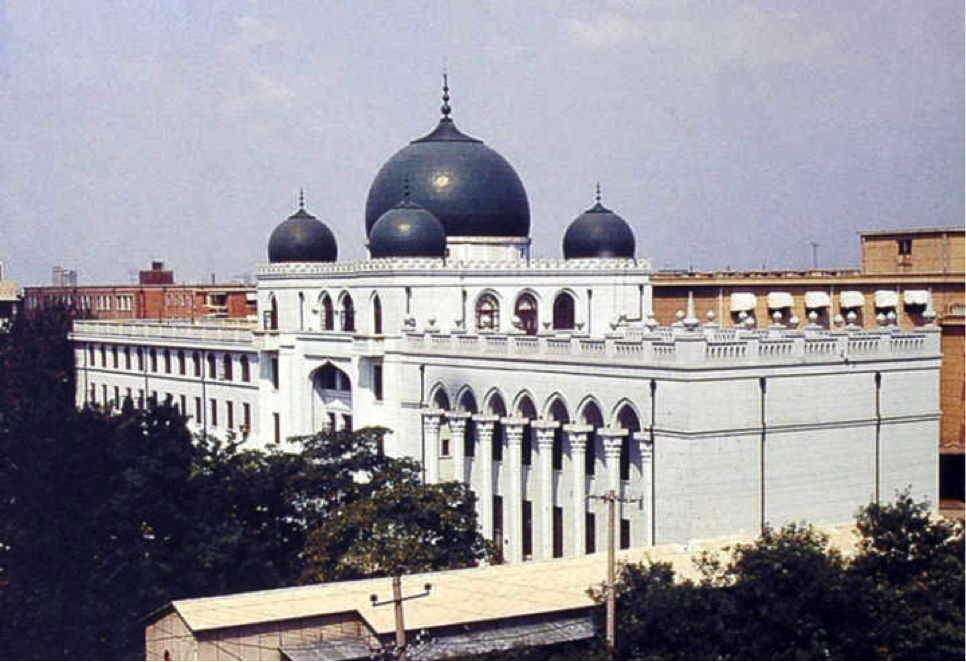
(327, 313)
(563, 311)
(376, 315)
(348, 314)
(487, 313)
(212, 367)
(525, 314)
(246, 371)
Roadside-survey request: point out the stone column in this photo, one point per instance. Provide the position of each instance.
(514, 464)
(612, 439)
(432, 419)
(457, 425)
(578, 435)
(647, 483)
(484, 457)
(545, 430)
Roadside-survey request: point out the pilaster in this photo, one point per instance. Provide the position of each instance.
(457, 425)
(544, 432)
(432, 419)
(513, 427)
(612, 439)
(484, 455)
(577, 436)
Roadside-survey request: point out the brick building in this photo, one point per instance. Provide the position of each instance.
(156, 296)
(900, 270)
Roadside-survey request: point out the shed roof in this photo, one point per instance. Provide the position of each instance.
(457, 596)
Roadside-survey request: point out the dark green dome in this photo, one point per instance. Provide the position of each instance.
(407, 230)
(302, 238)
(470, 188)
(598, 232)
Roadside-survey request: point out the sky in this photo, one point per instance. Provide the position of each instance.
(728, 134)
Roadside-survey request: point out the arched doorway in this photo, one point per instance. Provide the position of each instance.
(331, 399)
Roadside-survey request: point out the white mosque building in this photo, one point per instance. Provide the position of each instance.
(539, 382)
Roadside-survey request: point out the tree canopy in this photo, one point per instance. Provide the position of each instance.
(106, 516)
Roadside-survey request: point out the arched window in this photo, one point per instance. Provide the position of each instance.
(525, 314)
(627, 420)
(140, 356)
(487, 313)
(441, 400)
(348, 314)
(558, 412)
(227, 367)
(154, 360)
(181, 366)
(330, 378)
(301, 312)
(468, 404)
(271, 315)
(592, 417)
(527, 410)
(212, 371)
(376, 315)
(90, 355)
(167, 362)
(246, 372)
(497, 408)
(326, 313)
(563, 312)
(196, 363)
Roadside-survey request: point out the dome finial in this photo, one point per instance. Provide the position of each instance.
(598, 192)
(445, 108)
(406, 189)
(301, 198)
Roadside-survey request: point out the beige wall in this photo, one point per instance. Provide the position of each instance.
(250, 642)
(940, 252)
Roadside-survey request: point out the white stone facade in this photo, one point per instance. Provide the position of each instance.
(705, 431)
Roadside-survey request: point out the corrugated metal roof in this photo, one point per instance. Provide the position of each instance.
(457, 596)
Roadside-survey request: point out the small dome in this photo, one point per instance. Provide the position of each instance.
(598, 232)
(407, 230)
(302, 238)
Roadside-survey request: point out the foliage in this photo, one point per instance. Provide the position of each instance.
(790, 596)
(105, 517)
(377, 517)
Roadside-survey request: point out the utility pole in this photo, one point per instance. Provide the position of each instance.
(397, 602)
(611, 589)
(814, 254)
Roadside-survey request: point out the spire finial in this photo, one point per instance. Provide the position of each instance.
(406, 189)
(301, 198)
(598, 192)
(445, 108)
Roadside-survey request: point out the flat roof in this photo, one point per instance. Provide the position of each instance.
(933, 230)
(457, 596)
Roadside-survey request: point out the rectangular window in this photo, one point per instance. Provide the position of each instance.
(444, 437)
(905, 246)
(275, 378)
(247, 416)
(198, 410)
(558, 532)
(140, 398)
(527, 529)
(497, 442)
(214, 412)
(230, 414)
(377, 381)
(590, 455)
(278, 428)
(117, 397)
(183, 405)
(590, 533)
(625, 534)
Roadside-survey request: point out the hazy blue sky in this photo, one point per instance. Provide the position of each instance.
(726, 133)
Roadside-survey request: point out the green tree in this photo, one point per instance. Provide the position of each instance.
(368, 514)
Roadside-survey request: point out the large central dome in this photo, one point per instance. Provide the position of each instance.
(470, 188)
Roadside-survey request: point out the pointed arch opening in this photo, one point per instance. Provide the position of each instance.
(326, 313)
(558, 412)
(526, 409)
(376, 315)
(348, 313)
(627, 419)
(592, 416)
(487, 313)
(564, 312)
(467, 403)
(332, 399)
(525, 314)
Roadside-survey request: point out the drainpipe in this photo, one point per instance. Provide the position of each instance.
(422, 428)
(761, 451)
(878, 431)
(653, 514)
